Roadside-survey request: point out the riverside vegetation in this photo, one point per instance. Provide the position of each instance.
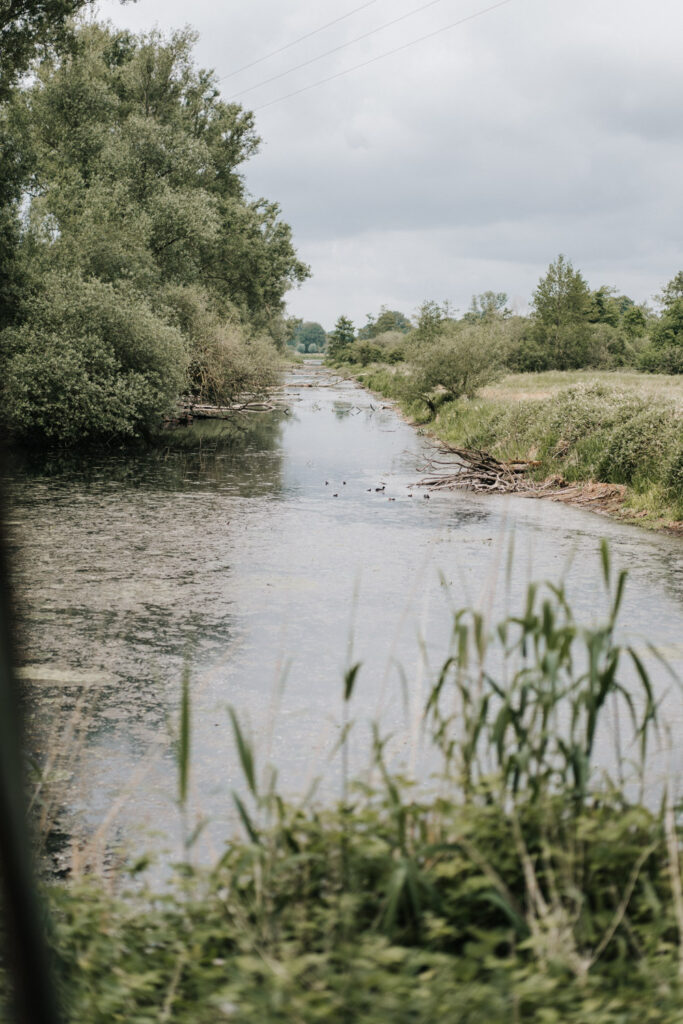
(136, 268)
(521, 884)
(588, 386)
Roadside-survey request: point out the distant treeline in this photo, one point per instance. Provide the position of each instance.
(135, 266)
(569, 327)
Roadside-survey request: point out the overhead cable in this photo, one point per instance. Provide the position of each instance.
(336, 49)
(308, 35)
(387, 53)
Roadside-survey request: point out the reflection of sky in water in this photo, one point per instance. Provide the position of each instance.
(268, 555)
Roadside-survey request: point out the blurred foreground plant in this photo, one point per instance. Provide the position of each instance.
(521, 885)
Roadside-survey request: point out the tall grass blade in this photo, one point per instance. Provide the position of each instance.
(246, 754)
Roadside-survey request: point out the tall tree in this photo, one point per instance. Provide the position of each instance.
(667, 332)
(561, 310)
(340, 339)
(131, 179)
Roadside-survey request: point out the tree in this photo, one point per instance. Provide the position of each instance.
(310, 337)
(128, 175)
(431, 319)
(340, 339)
(487, 305)
(667, 332)
(456, 362)
(387, 320)
(605, 308)
(561, 310)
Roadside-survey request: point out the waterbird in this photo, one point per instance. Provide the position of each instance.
(335, 495)
(425, 495)
(380, 488)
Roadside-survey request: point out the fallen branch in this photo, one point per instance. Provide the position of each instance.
(475, 470)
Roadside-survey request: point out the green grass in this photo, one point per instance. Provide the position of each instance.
(585, 426)
(520, 886)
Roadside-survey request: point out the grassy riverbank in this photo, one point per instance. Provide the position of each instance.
(583, 426)
(521, 885)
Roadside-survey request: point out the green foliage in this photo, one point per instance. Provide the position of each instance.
(562, 306)
(28, 27)
(130, 163)
(225, 363)
(387, 320)
(524, 885)
(310, 336)
(90, 362)
(638, 444)
(488, 305)
(431, 319)
(460, 360)
(340, 340)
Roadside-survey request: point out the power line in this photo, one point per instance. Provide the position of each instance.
(336, 49)
(308, 35)
(387, 53)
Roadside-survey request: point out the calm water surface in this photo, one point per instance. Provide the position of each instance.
(269, 564)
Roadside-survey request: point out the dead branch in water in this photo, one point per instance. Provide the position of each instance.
(475, 470)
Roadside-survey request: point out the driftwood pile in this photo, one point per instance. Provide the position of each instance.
(475, 470)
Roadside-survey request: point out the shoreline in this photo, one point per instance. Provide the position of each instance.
(606, 499)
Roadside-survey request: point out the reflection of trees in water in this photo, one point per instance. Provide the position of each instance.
(343, 409)
(244, 453)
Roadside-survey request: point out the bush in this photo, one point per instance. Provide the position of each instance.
(223, 361)
(91, 362)
(457, 362)
(637, 446)
(664, 359)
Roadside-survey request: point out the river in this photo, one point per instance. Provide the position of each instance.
(267, 565)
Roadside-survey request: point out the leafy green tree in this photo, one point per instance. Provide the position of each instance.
(340, 339)
(310, 337)
(488, 305)
(634, 322)
(561, 311)
(668, 330)
(605, 308)
(430, 321)
(457, 362)
(129, 171)
(387, 320)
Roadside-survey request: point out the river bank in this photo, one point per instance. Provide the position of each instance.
(598, 440)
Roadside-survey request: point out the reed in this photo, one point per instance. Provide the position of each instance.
(524, 881)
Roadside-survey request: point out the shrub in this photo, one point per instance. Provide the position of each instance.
(91, 362)
(223, 361)
(664, 359)
(457, 362)
(637, 446)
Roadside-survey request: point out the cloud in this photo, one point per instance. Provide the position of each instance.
(470, 160)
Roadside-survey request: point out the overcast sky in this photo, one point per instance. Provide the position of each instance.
(464, 162)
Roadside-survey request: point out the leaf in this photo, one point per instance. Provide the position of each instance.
(246, 820)
(605, 559)
(350, 680)
(184, 738)
(245, 752)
